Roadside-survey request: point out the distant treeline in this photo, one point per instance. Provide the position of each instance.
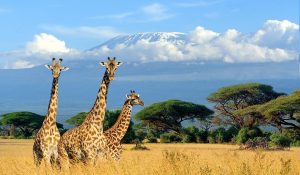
(237, 117)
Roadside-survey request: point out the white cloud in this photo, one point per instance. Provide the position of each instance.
(45, 43)
(279, 42)
(150, 13)
(36, 52)
(200, 35)
(278, 34)
(275, 41)
(97, 32)
(156, 12)
(20, 64)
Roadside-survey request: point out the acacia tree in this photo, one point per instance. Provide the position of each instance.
(169, 115)
(282, 112)
(26, 122)
(109, 120)
(232, 98)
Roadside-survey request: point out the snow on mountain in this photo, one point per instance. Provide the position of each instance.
(176, 38)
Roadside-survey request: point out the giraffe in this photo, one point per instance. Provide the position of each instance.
(114, 135)
(47, 138)
(85, 142)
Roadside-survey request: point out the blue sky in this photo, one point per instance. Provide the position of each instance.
(21, 20)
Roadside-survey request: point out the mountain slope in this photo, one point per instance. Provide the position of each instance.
(176, 38)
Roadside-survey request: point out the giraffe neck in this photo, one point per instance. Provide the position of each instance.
(97, 113)
(52, 107)
(121, 125)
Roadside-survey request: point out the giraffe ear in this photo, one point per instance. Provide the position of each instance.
(119, 63)
(48, 66)
(102, 64)
(64, 68)
(127, 96)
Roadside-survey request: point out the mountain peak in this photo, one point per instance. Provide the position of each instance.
(176, 38)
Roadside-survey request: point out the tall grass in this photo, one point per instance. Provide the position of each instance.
(164, 159)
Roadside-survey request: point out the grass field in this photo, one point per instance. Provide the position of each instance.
(162, 159)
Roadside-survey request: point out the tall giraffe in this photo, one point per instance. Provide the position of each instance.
(86, 141)
(114, 135)
(47, 138)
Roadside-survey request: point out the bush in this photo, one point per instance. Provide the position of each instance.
(231, 132)
(139, 145)
(170, 137)
(245, 134)
(218, 136)
(151, 140)
(190, 134)
(187, 139)
(280, 141)
(211, 139)
(202, 136)
(296, 143)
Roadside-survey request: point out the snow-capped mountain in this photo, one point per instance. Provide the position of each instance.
(176, 38)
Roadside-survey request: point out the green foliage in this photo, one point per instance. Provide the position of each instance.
(280, 140)
(231, 98)
(77, 119)
(109, 120)
(231, 132)
(24, 124)
(202, 136)
(139, 131)
(282, 112)
(242, 136)
(245, 134)
(190, 134)
(170, 137)
(169, 115)
(221, 135)
(139, 145)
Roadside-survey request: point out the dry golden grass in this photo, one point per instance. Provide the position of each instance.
(162, 159)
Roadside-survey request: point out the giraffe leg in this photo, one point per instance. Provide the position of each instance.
(54, 158)
(63, 159)
(37, 161)
(89, 157)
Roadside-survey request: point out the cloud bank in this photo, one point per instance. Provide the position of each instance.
(36, 52)
(275, 41)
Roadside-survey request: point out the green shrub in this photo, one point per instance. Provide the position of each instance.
(231, 132)
(245, 134)
(170, 137)
(242, 136)
(279, 140)
(211, 139)
(202, 136)
(296, 143)
(190, 134)
(139, 145)
(187, 138)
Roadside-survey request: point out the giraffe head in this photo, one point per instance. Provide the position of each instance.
(111, 65)
(134, 98)
(56, 67)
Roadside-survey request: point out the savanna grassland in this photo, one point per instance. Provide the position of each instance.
(162, 159)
